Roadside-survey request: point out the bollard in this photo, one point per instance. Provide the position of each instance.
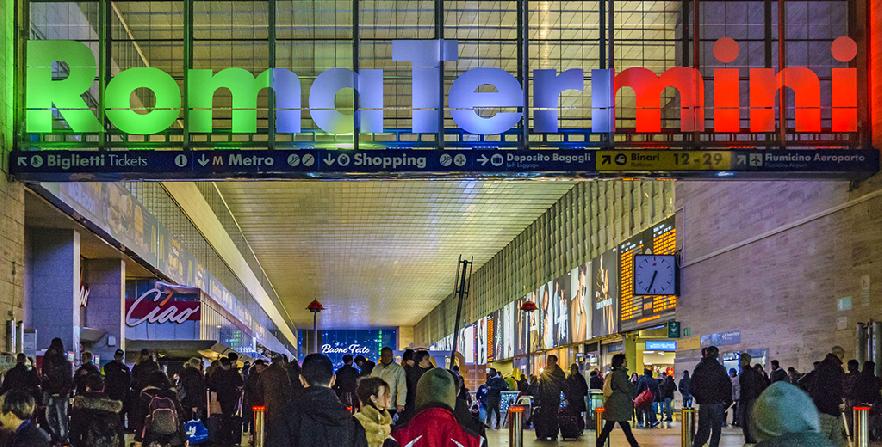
(598, 423)
(516, 425)
(687, 430)
(861, 429)
(259, 430)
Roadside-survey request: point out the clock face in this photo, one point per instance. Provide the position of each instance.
(655, 275)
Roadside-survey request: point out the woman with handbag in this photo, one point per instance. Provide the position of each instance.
(618, 406)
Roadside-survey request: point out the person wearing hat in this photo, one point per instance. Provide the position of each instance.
(117, 380)
(785, 416)
(434, 422)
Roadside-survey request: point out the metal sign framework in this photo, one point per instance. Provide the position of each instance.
(450, 137)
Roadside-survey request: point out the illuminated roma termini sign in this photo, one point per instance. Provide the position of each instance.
(48, 94)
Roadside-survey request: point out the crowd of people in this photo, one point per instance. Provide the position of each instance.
(361, 404)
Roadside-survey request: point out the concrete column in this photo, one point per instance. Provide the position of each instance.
(106, 279)
(55, 286)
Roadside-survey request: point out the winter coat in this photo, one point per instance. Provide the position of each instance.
(277, 394)
(779, 375)
(117, 379)
(750, 385)
(28, 435)
(710, 383)
(21, 378)
(667, 388)
(318, 419)
(377, 425)
(57, 377)
(80, 377)
(552, 382)
(228, 383)
(595, 383)
(866, 388)
(293, 370)
(685, 387)
(394, 375)
(192, 388)
(253, 394)
(435, 426)
(94, 421)
(412, 375)
(347, 379)
(140, 372)
(826, 390)
(619, 407)
(577, 389)
(495, 386)
(366, 368)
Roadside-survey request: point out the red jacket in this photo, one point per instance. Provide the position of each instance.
(435, 427)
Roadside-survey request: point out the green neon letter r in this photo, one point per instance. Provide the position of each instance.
(43, 92)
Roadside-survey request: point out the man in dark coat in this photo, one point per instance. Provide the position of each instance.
(118, 380)
(22, 378)
(57, 383)
(293, 369)
(346, 382)
(712, 389)
(253, 394)
(778, 373)
(228, 383)
(277, 394)
(94, 417)
(16, 413)
(751, 384)
(646, 416)
(595, 382)
(86, 369)
(192, 390)
(826, 392)
(142, 370)
(551, 383)
(495, 386)
(318, 419)
(365, 366)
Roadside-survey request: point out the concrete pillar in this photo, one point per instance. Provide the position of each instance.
(106, 279)
(55, 286)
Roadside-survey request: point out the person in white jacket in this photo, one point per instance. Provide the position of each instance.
(393, 374)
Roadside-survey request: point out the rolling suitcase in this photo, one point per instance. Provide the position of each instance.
(569, 425)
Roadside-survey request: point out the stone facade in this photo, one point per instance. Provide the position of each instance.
(11, 193)
(792, 265)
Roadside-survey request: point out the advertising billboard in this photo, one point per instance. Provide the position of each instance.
(605, 291)
(580, 303)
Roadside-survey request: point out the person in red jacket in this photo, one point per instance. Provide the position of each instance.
(434, 423)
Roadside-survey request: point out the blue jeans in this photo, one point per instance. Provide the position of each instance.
(687, 401)
(668, 410)
(710, 424)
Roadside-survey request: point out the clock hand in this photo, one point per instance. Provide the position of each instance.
(652, 281)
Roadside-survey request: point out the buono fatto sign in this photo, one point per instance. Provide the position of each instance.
(48, 94)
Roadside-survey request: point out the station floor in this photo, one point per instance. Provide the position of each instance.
(658, 437)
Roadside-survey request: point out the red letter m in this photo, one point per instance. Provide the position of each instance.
(648, 88)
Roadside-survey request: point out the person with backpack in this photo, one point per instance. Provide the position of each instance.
(162, 412)
(317, 418)
(94, 417)
(57, 384)
(618, 405)
(646, 413)
(16, 416)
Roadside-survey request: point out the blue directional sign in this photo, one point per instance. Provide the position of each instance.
(220, 164)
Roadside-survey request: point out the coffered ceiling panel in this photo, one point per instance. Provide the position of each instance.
(378, 253)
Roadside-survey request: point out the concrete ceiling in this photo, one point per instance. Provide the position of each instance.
(378, 253)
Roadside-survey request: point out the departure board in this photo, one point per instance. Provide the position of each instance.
(637, 312)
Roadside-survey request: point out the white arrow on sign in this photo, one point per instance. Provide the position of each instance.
(203, 160)
(483, 160)
(22, 161)
(329, 160)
